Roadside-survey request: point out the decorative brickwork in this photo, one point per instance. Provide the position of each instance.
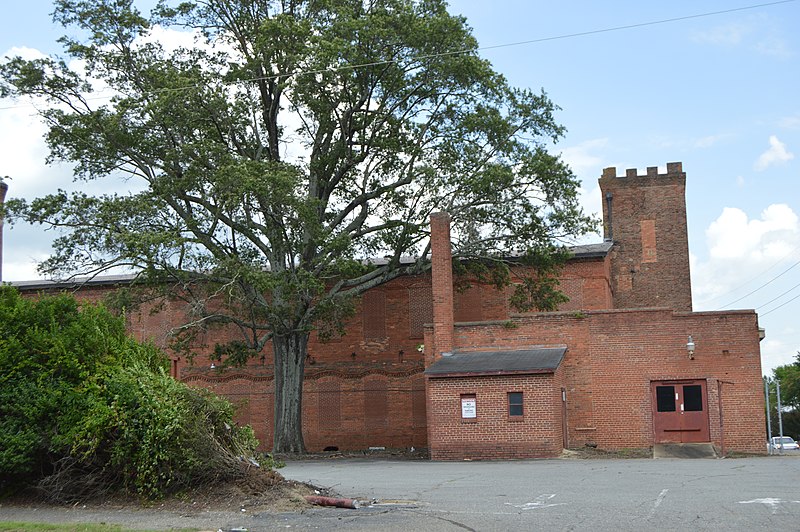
(420, 308)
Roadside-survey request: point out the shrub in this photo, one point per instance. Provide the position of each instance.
(84, 409)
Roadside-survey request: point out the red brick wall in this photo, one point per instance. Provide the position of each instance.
(355, 362)
(613, 356)
(650, 257)
(493, 433)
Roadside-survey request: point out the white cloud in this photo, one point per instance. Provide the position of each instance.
(790, 122)
(726, 35)
(775, 47)
(24, 52)
(582, 160)
(588, 167)
(744, 269)
(758, 34)
(710, 140)
(741, 249)
(776, 154)
(733, 236)
(777, 351)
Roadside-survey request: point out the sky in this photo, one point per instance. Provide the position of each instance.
(713, 84)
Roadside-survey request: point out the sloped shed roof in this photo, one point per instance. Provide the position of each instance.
(513, 362)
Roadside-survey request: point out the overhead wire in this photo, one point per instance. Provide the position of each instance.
(762, 286)
(777, 297)
(476, 49)
(779, 306)
(750, 280)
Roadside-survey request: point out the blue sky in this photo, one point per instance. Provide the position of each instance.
(718, 93)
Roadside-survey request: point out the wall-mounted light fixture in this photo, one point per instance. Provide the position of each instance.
(690, 347)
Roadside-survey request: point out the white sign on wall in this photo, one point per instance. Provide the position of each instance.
(468, 408)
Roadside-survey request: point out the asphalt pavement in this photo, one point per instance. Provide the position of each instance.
(557, 494)
(638, 494)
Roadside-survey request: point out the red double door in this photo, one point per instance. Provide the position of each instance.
(680, 411)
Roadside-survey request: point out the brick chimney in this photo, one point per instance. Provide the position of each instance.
(3, 190)
(442, 284)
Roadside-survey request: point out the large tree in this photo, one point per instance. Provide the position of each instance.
(295, 140)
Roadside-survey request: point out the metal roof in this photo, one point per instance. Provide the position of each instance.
(512, 362)
(75, 282)
(584, 251)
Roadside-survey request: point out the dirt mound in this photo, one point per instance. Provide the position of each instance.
(257, 491)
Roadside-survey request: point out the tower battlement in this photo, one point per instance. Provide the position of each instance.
(673, 170)
(644, 215)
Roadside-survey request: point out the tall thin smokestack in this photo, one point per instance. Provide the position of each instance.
(442, 279)
(3, 190)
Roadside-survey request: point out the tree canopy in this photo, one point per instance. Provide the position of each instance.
(789, 377)
(291, 143)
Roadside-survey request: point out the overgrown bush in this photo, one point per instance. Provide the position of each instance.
(84, 409)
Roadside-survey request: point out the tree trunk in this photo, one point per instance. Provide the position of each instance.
(290, 356)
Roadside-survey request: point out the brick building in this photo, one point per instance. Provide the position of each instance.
(459, 372)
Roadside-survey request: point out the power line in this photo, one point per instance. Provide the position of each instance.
(760, 287)
(491, 47)
(779, 306)
(777, 297)
(751, 279)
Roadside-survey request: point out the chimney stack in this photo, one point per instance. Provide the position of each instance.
(442, 281)
(3, 190)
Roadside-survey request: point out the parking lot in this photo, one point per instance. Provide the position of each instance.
(640, 494)
(557, 494)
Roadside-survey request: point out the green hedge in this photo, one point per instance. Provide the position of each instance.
(85, 409)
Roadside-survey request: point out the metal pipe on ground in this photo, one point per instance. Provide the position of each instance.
(319, 500)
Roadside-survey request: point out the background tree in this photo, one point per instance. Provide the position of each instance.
(294, 141)
(789, 377)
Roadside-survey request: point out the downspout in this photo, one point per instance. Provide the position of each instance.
(609, 236)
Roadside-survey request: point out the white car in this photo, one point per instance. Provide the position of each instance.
(786, 443)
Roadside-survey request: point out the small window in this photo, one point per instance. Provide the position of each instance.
(514, 403)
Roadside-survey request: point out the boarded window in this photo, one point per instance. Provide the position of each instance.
(375, 404)
(515, 404)
(420, 309)
(329, 405)
(373, 312)
(418, 408)
(468, 304)
(648, 228)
